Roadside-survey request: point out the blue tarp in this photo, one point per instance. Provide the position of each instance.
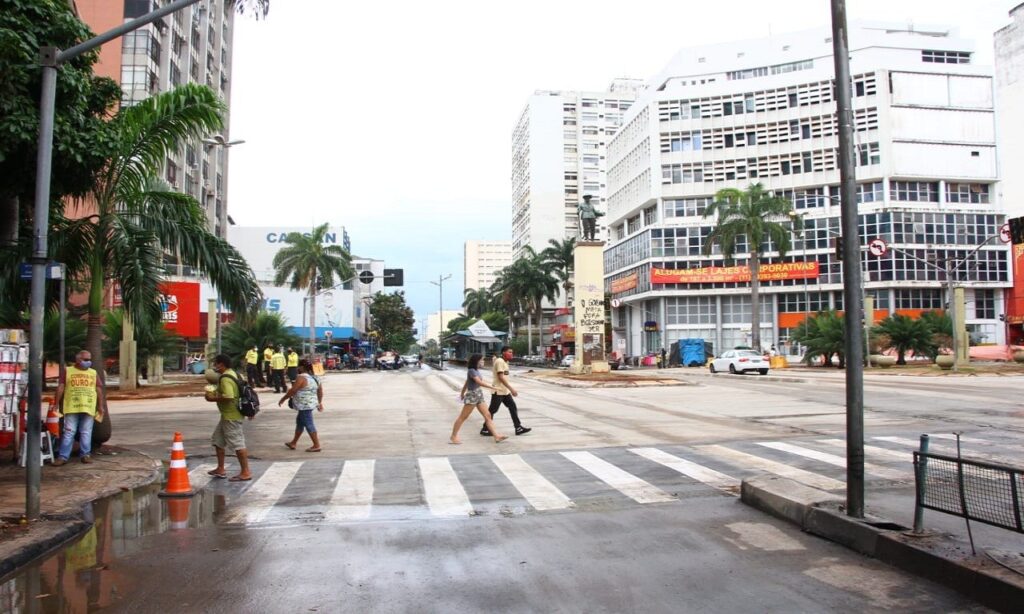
(692, 352)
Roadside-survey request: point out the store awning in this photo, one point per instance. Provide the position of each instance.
(486, 340)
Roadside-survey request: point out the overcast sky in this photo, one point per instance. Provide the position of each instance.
(394, 119)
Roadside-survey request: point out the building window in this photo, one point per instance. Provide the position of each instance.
(172, 174)
(633, 224)
(686, 207)
(945, 57)
(919, 298)
(984, 304)
(870, 192)
(650, 216)
(867, 153)
(974, 193)
(914, 191)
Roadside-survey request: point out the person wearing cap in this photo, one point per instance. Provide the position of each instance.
(252, 367)
(268, 353)
(277, 365)
(293, 366)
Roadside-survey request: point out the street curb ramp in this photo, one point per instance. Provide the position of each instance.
(937, 557)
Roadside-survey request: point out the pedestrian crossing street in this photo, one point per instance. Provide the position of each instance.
(334, 492)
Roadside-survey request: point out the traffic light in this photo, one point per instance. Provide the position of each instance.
(394, 277)
(839, 248)
(319, 283)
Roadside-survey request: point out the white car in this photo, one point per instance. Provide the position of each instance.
(740, 361)
(568, 360)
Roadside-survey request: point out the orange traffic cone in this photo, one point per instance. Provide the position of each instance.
(177, 475)
(53, 421)
(177, 510)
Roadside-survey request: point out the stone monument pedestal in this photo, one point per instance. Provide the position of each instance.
(588, 308)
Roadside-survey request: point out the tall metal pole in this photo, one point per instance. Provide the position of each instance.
(851, 274)
(40, 251)
(63, 319)
(440, 318)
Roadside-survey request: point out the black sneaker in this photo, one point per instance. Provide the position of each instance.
(484, 432)
(522, 430)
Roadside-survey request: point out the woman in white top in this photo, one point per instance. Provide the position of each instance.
(308, 395)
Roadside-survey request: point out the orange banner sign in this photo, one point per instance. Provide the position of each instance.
(716, 274)
(625, 283)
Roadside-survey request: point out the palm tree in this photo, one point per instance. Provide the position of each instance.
(477, 302)
(525, 284)
(560, 258)
(753, 216)
(823, 335)
(905, 334)
(132, 219)
(307, 264)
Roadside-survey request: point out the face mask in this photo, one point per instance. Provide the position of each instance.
(86, 364)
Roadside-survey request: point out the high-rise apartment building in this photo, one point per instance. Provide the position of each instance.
(192, 45)
(558, 155)
(1009, 84)
(482, 261)
(763, 111)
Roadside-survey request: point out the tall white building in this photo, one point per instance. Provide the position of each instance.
(482, 261)
(762, 111)
(558, 155)
(437, 322)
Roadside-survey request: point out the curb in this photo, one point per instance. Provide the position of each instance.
(940, 558)
(70, 524)
(53, 538)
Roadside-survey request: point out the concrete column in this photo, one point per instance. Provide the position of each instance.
(588, 308)
(126, 367)
(211, 331)
(962, 350)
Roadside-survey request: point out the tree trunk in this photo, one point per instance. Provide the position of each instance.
(312, 319)
(94, 343)
(529, 331)
(755, 301)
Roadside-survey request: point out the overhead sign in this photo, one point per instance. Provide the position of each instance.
(480, 329)
(877, 247)
(714, 274)
(366, 277)
(616, 303)
(179, 307)
(623, 284)
(1004, 233)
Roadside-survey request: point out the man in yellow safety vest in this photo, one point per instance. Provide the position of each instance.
(277, 365)
(293, 365)
(81, 392)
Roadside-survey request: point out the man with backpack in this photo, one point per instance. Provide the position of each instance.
(229, 432)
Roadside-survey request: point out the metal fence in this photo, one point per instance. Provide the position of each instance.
(972, 489)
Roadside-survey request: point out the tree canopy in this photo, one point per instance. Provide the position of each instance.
(393, 321)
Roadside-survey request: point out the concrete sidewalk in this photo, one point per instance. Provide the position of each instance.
(991, 577)
(64, 494)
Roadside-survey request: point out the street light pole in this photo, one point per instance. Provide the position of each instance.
(219, 141)
(440, 318)
(851, 274)
(50, 58)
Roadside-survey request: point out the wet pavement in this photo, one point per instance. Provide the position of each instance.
(147, 554)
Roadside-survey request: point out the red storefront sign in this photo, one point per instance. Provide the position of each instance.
(625, 283)
(715, 274)
(179, 306)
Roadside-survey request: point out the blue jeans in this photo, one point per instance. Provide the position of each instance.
(304, 420)
(83, 424)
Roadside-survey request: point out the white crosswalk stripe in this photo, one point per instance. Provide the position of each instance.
(626, 483)
(535, 488)
(441, 487)
(353, 494)
(875, 451)
(691, 469)
(198, 478)
(949, 450)
(255, 503)
(952, 437)
(831, 459)
(749, 461)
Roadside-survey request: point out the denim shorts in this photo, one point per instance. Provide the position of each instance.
(304, 420)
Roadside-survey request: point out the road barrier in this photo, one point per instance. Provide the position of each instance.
(971, 489)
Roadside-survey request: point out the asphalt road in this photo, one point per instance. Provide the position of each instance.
(619, 500)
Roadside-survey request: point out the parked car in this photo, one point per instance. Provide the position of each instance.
(411, 359)
(568, 360)
(740, 361)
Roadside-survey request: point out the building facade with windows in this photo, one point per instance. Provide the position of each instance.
(559, 154)
(194, 45)
(482, 261)
(763, 111)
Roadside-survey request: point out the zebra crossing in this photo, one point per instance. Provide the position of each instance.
(360, 490)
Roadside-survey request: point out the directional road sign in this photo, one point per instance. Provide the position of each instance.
(877, 247)
(1004, 233)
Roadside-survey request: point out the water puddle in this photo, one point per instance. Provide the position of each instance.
(80, 577)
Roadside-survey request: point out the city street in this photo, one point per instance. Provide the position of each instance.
(640, 481)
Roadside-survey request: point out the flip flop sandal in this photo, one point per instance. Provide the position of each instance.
(219, 476)
(289, 446)
(238, 478)
(313, 449)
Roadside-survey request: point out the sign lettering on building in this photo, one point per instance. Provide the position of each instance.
(623, 284)
(714, 274)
